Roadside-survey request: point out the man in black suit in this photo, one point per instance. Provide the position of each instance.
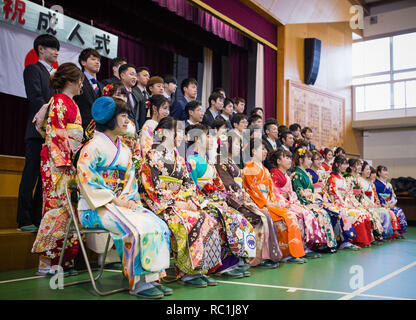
(307, 136)
(270, 139)
(227, 112)
(115, 64)
(90, 62)
(128, 78)
(170, 88)
(38, 92)
(193, 110)
(216, 103)
(189, 90)
(143, 76)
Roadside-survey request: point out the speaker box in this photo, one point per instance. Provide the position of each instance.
(312, 58)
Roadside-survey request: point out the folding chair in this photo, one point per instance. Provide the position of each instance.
(71, 191)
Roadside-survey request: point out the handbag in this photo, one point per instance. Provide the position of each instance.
(41, 118)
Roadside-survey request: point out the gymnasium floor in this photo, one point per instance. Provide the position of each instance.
(389, 273)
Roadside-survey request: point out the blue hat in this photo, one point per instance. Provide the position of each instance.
(103, 109)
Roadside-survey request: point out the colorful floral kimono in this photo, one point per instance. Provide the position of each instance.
(105, 171)
(369, 198)
(195, 240)
(130, 138)
(341, 195)
(63, 137)
(375, 218)
(314, 227)
(258, 184)
(341, 225)
(386, 195)
(146, 137)
(238, 198)
(238, 239)
(326, 167)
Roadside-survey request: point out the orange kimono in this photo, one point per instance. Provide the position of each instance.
(258, 184)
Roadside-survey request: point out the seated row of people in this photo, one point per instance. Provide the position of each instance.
(171, 189)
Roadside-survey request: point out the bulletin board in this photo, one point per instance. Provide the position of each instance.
(322, 111)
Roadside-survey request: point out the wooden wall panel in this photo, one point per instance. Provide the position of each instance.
(335, 71)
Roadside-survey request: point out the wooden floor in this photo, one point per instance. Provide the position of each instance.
(388, 273)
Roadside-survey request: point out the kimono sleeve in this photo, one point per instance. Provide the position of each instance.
(92, 185)
(333, 192)
(250, 185)
(57, 139)
(298, 186)
(159, 198)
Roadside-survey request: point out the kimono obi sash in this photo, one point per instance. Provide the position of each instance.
(356, 191)
(239, 181)
(263, 189)
(170, 179)
(75, 135)
(368, 193)
(386, 196)
(318, 186)
(114, 177)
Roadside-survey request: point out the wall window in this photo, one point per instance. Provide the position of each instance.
(384, 73)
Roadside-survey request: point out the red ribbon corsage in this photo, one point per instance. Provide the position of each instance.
(148, 103)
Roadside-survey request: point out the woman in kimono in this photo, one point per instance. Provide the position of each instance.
(351, 176)
(341, 195)
(312, 233)
(159, 109)
(370, 200)
(341, 226)
(171, 194)
(268, 251)
(328, 158)
(63, 136)
(109, 200)
(238, 240)
(317, 224)
(258, 184)
(388, 198)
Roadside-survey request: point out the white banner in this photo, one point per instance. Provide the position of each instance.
(33, 17)
(16, 50)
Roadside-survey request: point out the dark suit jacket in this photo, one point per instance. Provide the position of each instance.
(208, 118)
(112, 80)
(139, 110)
(177, 109)
(229, 125)
(38, 92)
(85, 101)
(269, 148)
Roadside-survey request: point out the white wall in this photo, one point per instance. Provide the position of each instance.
(394, 148)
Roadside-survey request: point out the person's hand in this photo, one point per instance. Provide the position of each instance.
(132, 205)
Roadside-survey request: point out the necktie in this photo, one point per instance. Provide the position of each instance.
(145, 95)
(95, 85)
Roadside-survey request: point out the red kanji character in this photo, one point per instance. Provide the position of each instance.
(7, 8)
(19, 8)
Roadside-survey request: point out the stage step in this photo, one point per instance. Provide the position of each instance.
(11, 169)
(15, 247)
(8, 212)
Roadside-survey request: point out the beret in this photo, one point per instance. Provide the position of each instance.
(103, 109)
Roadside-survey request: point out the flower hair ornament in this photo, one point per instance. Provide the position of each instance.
(301, 151)
(158, 135)
(108, 90)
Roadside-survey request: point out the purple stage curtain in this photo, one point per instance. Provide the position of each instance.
(270, 82)
(13, 124)
(243, 15)
(238, 63)
(204, 20)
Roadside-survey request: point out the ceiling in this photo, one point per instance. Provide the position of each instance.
(314, 11)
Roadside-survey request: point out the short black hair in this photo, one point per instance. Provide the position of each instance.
(218, 89)
(186, 82)
(218, 123)
(214, 96)
(228, 101)
(305, 130)
(253, 118)
(85, 54)
(294, 127)
(270, 122)
(236, 118)
(254, 111)
(47, 41)
(117, 61)
(338, 151)
(121, 107)
(140, 69)
(123, 68)
(285, 134)
(191, 106)
(169, 79)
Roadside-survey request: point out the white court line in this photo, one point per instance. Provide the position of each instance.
(22, 279)
(377, 282)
